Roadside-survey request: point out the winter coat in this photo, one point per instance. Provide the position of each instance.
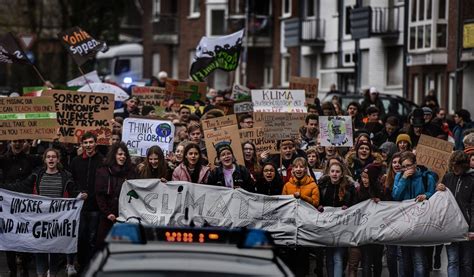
(356, 165)
(413, 186)
(458, 134)
(17, 167)
(329, 193)
(181, 173)
(275, 187)
(462, 187)
(307, 188)
(383, 136)
(83, 169)
(305, 141)
(241, 177)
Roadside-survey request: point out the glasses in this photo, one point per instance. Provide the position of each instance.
(407, 166)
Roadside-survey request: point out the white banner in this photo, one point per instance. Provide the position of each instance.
(292, 221)
(278, 100)
(140, 134)
(38, 224)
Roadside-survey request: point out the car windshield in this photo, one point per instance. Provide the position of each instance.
(103, 66)
(166, 273)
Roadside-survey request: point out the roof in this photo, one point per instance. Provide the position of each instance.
(128, 49)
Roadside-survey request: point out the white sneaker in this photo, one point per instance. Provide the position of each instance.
(70, 270)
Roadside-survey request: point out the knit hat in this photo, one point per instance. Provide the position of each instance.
(404, 137)
(221, 146)
(469, 150)
(388, 148)
(418, 120)
(360, 143)
(427, 110)
(374, 171)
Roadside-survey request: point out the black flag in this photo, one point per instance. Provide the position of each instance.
(216, 53)
(81, 45)
(11, 51)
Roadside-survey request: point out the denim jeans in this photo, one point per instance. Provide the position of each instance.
(414, 261)
(459, 259)
(372, 255)
(87, 237)
(394, 261)
(45, 261)
(335, 261)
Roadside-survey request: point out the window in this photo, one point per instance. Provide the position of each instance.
(156, 8)
(122, 66)
(194, 9)
(285, 70)
(441, 36)
(268, 77)
(394, 66)
(156, 64)
(442, 9)
(311, 7)
(217, 22)
(347, 18)
(286, 8)
(427, 25)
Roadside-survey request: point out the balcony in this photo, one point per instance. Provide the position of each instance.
(386, 21)
(313, 32)
(259, 29)
(165, 29)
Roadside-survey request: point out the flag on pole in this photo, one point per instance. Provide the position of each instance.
(11, 51)
(216, 53)
(80, 45)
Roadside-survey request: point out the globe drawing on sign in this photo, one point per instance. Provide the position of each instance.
(337, 131)
(163, 130)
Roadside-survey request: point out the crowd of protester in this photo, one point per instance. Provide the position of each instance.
(381, 166)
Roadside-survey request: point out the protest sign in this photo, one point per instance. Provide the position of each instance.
(310, 86)
(141, 133)
(81, 112)
(38, 224)
(240, 93)
(336, 131)
(279, 126)
(33, 91)
(180, 90)
(278, 100)
(292, 221)
(80, 45)
(28, 118)
(243, 107)
(11, 51)
(257, 137)
(150, 96)
(91, 77)
(434, 153)
(222, 129)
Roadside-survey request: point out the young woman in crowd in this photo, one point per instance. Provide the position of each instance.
(108, 183)
(176, 157)
(154, 166)
(229, 173)
(192, 169)
(250, 159)
(116, 136)
(403, 142)
(269, 182)
(336, 190)
(314, 165)
(288, 153)
(361, 157)
(301, 185)
(459, 181)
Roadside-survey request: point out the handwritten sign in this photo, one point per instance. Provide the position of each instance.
(218, 122)
(28, 118)
(257, 137)
(434, 153)
(336, 131)
(182, 89)
(279, 126)
(81, 112)
(140, 134)
(240, 93)
(281, 101)
(150, 96)
(32, 223)
(310, 86)
(243, 107)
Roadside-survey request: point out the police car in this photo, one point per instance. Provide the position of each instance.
(137, 250)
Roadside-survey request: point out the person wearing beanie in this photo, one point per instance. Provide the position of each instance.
(462, 118)
(228, 173)
(362, 156)
(387, 149)
(403, 142)
(427, 114)
(288, 153)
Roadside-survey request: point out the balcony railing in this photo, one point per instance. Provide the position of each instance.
(165, 28)
(385, 21)
(312, 30)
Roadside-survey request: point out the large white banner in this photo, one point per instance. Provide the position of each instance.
(292, 221)
(38, 224)
(278, 100)
(140, 134)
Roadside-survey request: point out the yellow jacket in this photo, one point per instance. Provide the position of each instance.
(307, 188)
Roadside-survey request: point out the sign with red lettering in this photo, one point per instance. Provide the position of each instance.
(310, 86)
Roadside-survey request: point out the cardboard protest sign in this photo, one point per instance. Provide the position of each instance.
(434, 153)
(81, 112)
(278, 100)
(80, 45)
(257, 137)
(336, 131)
(39, 224)
(182, 89)
(292, 221)
(279, 126)
(240, 93)
(310, 86)
(150, 96)
(141, 133)
(28, 118)
(222, 129)
(243, 107)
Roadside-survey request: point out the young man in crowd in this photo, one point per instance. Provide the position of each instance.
(462, 118)
(389, 133)
(246, 121)
(309, 133)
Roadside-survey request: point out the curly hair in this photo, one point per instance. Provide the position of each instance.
(459, 158)
(110, 159)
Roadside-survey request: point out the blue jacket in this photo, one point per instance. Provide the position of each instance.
(410, 188)
(458, 136)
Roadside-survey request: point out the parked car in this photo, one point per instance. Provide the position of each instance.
(393, 104)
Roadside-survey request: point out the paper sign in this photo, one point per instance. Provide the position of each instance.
(150, 96)
(434, 153)
(218, 122)
(240, 93)
(28, 118)
(243, 107)
(181, 90)
(336, 131)
(228, 134)
(279, 126)
(81, 112)
(140, 134)
(276, 100)
(310, 86)
(257, 137)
